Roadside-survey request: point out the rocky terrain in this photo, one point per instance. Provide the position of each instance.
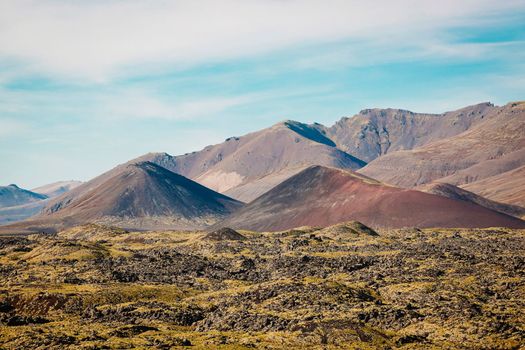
(375, 132)
(344, 286)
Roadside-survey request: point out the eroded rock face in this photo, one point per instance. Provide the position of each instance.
(494, 145)
(440, 288)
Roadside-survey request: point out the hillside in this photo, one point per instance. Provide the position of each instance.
(32, 202)
(375, 132)
(457, 193)
(321, 196)
(508, 187)
(245, 167)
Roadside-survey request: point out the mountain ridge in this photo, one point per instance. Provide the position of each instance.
(499, 137)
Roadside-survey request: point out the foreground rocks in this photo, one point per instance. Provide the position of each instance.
(339, 287)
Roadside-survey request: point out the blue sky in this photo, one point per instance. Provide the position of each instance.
(88, 85)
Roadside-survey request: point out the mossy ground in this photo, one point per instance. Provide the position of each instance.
(309, 287)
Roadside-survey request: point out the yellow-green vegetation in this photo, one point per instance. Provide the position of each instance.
(341, 287)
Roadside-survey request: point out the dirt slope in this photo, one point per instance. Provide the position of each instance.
(457, 193)
(508, 187)
(321, 196)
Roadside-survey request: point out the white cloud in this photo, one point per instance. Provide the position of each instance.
(12, 128)
(95, 39)
(140, 104)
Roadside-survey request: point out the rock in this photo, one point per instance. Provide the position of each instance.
(224, 234)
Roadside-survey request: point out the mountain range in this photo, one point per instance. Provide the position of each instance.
(384, 167)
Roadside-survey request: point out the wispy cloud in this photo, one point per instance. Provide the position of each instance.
(12, 128)
(95, 39)
(85, 85)
(139, 104)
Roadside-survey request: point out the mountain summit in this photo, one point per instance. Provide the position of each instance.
(245, 167)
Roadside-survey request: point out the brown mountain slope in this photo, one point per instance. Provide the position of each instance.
(454, 192)
(376, 132)
(487, 168)
(321, 196)
(140, 195)
(244, 167)
(508, 187)
(499, 137)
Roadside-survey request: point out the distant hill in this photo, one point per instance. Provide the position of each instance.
(21, 212)
(13, 195)
(321, 196)
(136, 195)
(508, 187)
(29, 203)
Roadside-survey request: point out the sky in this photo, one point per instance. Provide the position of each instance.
(87, 85)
